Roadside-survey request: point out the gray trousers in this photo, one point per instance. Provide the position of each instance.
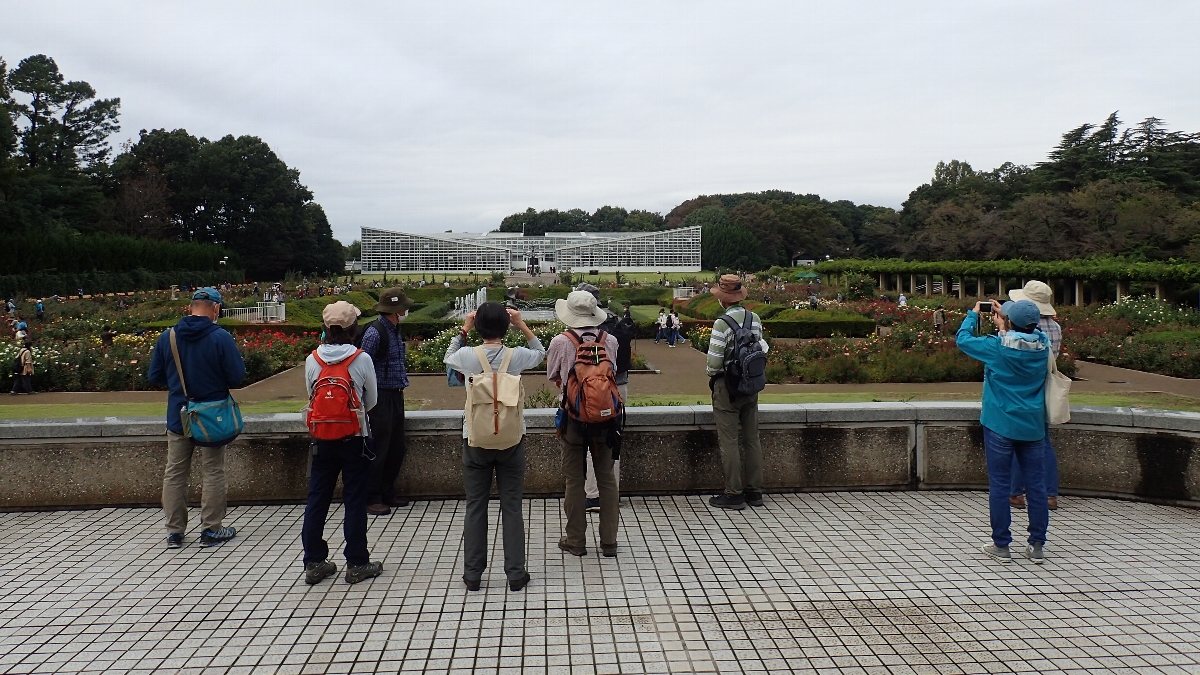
(574, 457)
(479, 464)
(175, 487)
(737, 434)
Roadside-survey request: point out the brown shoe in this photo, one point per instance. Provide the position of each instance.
(399, 502)
(573, 550)
(378, 509)
(1052, 502)
(609, 550)
(1017, 501)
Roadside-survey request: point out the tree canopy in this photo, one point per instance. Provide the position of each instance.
(57, 180)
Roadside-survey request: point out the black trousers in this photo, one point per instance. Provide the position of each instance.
(334, 457)
(22, 384)
(387, 428)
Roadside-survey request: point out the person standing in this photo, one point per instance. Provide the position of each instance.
(736, 416)
(210, 358)
(583, 316)
(334, 370)
(40, 310)
(623, 330)
(385, 343)
(23, 373)
(1013, 417)
(939, 319)
(480, 464)
(1040, 294)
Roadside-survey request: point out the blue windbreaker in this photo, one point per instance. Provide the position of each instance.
(1014, 379)
(211, 363)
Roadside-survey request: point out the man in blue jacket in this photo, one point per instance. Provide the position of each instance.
(1013, 417)
(211, 365)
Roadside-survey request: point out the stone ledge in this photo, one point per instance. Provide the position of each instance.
(541, 420)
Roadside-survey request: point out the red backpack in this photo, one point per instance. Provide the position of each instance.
(334, 411)
(590, 394)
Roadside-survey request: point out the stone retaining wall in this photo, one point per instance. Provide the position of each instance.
(1150, 455)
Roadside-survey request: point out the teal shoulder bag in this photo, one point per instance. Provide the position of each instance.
(208, 423)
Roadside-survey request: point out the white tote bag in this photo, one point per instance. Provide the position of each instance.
(1058, 393)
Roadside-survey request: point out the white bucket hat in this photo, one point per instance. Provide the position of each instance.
(579, 310)
(1038, 293)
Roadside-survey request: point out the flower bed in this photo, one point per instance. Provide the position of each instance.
(88, 365)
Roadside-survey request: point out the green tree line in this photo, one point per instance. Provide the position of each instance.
(59, 179)
(1104, 190)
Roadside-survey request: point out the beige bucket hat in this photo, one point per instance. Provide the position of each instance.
(1037, 292)
(579, 310)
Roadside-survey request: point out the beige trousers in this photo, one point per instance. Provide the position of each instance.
(175, 487)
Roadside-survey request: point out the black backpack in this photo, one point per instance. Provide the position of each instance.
(745, 362)
(384, 340)
(623, 330)
(17, 366)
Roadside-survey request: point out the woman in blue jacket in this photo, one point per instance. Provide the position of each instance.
(1013, 417)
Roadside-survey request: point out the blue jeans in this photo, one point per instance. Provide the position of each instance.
(661, 332)
(672, 336)
(1001, 452)
(1051, 466)
(333, 457)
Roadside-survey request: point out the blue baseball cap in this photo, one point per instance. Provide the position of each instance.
(1022, 313)
(207, 293)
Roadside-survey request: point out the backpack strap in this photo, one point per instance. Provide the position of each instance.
(483, 361)
(506, 360)
(178, 365)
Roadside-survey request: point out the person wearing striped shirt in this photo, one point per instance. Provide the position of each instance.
(736, 418)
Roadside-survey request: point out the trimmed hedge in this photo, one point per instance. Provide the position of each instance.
(808, 328)
(1091, 269)
(41, 284)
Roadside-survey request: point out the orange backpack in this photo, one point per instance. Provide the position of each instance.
(334, 411)
(590, 394)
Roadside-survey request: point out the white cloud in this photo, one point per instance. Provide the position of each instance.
(432, 116)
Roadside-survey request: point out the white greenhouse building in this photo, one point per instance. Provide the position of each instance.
(675, 250)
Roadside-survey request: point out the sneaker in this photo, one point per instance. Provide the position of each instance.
(1034, 553)
(737, 502)
(315, 572)
(175, 540)
(997, 553)
(359, 573)
(609, 550)
(1017, 501)
(1052, 503)
(471, 584)
(218, 537)
(754, 498)
(518, 583)
(379, 509)
(591, 505)
(573, 550)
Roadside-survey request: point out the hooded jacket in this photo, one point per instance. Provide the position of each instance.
(362, 372)
(211, 364)
(1014, 379)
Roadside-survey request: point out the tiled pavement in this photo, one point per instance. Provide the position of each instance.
(826, 583)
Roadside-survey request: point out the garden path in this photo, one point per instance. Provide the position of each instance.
(681, 372)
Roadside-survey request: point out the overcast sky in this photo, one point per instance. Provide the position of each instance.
(429, 116)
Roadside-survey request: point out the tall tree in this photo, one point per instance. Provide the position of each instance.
(62, 126)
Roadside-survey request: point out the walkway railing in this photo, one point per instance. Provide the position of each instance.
(264, 312)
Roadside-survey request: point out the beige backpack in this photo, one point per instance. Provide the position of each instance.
(495, 404)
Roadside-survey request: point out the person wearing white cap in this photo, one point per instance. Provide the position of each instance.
(582, 314)
(1042, 295)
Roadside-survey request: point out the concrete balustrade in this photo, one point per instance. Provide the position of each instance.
(1119, 452)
